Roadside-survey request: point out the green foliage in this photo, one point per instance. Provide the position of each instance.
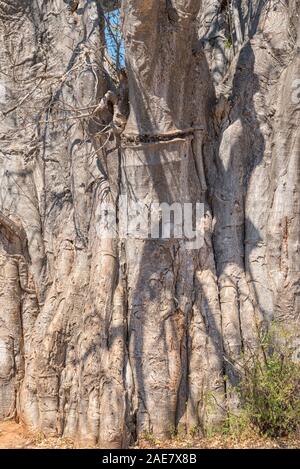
(149, 437)
(194, 431)
(237, 425)
(228, 43)
(269, 392)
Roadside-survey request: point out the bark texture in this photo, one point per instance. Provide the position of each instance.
(104, 339)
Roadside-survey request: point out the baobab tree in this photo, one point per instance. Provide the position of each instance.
(104, 338)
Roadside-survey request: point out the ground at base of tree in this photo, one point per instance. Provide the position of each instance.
(15, 436)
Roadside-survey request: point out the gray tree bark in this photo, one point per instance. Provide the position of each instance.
(103, 339)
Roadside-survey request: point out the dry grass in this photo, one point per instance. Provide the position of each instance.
(221, 442)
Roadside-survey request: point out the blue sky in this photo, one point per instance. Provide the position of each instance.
(113, 37)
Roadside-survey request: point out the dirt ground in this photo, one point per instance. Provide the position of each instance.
(16, 436)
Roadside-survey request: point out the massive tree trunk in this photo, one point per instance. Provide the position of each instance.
(105, 337)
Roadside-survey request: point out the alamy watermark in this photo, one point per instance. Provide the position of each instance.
(131, 219)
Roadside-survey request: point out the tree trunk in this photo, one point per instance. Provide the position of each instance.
(103, 338)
